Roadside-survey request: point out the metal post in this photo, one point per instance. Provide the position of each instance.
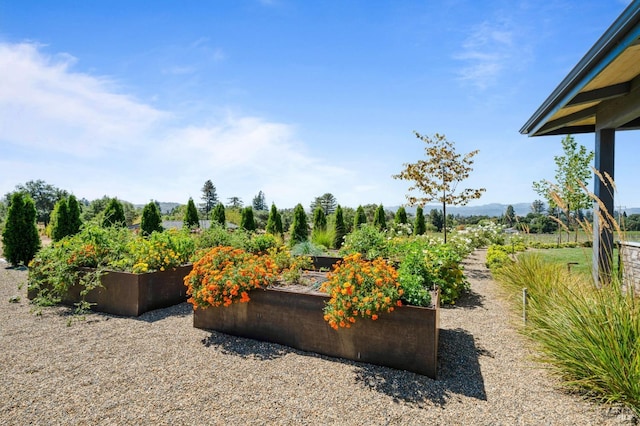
(524, 306)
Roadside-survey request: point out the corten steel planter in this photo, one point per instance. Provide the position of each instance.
(406, 339)
(128, 294)
(324, 262)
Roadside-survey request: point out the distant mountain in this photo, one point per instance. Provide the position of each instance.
(491, 210)
(165, 207)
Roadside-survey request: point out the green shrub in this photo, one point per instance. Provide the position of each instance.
(419, 227)
(306, 248)
(319, 219)
(261, 243)
(274, 222)
(379, 218)
(413, 274)
(151, 219)
(339, 228)
(360, 218)
(215, 236)
(247, 221)
(20, 238)
(497, 257)
(114, 214)
(191, 219)
(400, 216)
(323, 237)
(366, 240)
(589, 336)
(299, 230)
(60, 220)
(73, 207)
(218, 215)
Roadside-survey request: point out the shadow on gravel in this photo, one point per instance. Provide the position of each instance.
(182, 310)
(458, 374)
(468, 300)
(246, 348)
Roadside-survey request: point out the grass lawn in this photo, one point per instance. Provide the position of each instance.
(579, 255)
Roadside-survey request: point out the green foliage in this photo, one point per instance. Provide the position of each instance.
(259, 203)
(114, 214)
(400, 216)
(588, 335)
(60, 221)
(274, 222)
(44, 196)
(20, 237)
(209, 197)
(413, 274)
(360, 218)
(339, 228)
(151, 219)
(419, 227)
(191, 219)
(510, 216)
(262, 243)
(214, 236)
(299, 230)
(436, 219)
(366, 240)
(497, 257)
(379, 218)
(73, 207)
(218, 216)
(327, 202)
(319, 219)
(307, 248)
(246, 219)
(323, 237)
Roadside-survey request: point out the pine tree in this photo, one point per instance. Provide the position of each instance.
(60, 220)
(114, 214)
(420, 226)
(218, 216)
(191, 219)
(360, 218)
(340, 229)
(274, 222)
(319, 219)
(151, 219)
(379, 219)
(209, 196)
(436, 219)
(20, 238)
(259, 202)
(247, 222)
(401, 216)
(299, 231)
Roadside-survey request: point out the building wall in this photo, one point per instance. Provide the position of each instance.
(630, 257)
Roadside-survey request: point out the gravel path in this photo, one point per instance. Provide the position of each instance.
(158, 369)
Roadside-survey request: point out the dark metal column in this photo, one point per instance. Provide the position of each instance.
(603, 213)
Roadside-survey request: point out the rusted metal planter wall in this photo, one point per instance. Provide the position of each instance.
(406, 339)
(128, 294)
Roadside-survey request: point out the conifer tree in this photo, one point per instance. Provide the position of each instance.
(60, 220)
(73, 207)
(420, 226)
(151, 219)
(114, 214)
(299, 231)
(360, 218)
(379, 219)
(319, 219)
(401, 216)
(191, 219)
(20, 238)
(247, 222)
(340, 229)
(274, 222)
(218, 216)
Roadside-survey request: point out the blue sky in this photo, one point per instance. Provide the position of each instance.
(147, 100)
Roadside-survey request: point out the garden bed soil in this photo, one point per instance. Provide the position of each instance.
(129, 294)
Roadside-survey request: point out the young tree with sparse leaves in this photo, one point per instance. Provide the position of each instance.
(573, 172)
(20, 238)
(437, 177)
(191, 219)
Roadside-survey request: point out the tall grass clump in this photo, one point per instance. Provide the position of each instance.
(589, 335)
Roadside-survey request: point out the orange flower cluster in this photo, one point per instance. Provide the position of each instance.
(360, 288)
(225, 275)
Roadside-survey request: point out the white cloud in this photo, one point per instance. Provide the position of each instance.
(79, 133)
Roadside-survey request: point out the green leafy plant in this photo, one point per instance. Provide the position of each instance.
(20, 239)
(413, 275)
(247, 222)
(299, 230)
(219, 216)
(151, 219)
(191, 219)
(114, 214)
(419, 227)
(379, 218)
(274, 222)
(360, 218)
(366, 240)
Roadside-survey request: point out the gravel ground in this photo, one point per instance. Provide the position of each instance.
(158, 369)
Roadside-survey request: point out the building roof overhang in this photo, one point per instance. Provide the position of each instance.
(602, 90)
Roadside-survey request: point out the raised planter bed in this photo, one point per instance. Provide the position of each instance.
(324, 262)
(406, 339)
(128, 294)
